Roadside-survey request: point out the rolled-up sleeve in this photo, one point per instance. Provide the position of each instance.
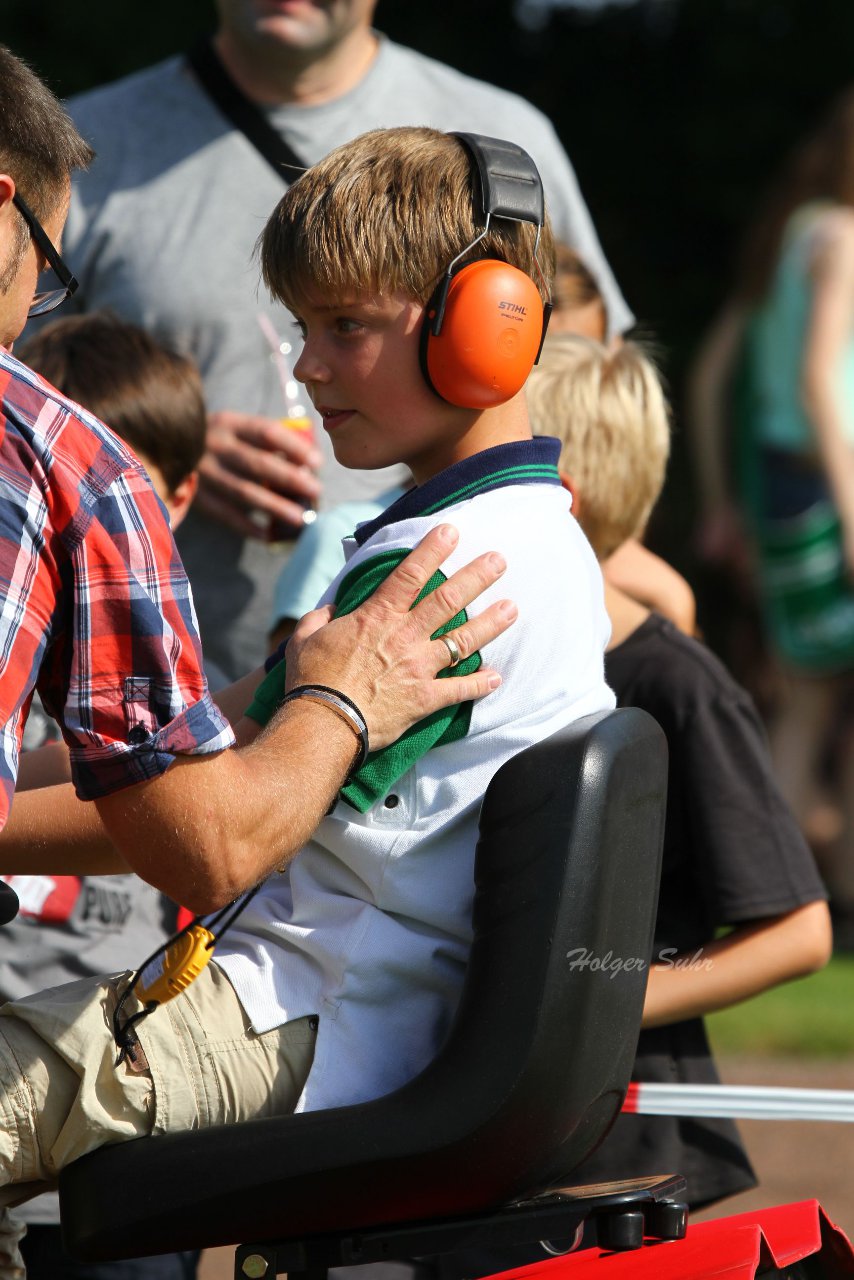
(95, 607)
(199, 730)
(132, 694)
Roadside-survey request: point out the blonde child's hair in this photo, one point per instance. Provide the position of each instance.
(384, 213)
(608, 409)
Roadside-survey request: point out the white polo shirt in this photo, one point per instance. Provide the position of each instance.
(370, 926)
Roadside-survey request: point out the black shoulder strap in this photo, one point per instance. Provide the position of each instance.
(242, 113)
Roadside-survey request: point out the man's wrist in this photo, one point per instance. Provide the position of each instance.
(311, 744)
(342, 706)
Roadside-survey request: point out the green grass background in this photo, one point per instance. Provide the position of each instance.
(810, 1018)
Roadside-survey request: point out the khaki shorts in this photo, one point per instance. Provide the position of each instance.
(62, 1095)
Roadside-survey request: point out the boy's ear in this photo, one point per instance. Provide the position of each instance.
(180, 499)
(569, 484)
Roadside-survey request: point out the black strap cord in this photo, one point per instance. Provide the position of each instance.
(233, 103)
(124, 1033)
(222, 917)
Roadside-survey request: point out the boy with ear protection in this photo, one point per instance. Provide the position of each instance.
(416, 264)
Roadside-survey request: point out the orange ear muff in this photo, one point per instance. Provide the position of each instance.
(489, 334)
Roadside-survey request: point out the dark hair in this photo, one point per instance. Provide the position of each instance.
(39, 145)
(148, 394)
(574, 283)
(820, 168)
(575, 286)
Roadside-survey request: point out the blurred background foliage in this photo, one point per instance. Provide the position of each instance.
(674, 112)
(807, 1019)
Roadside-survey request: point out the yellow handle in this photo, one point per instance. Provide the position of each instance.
(182, 962)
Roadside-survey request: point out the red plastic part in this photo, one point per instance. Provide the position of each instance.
(736, 1247)
(630, 1103)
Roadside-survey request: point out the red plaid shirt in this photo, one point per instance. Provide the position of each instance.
(95, 607)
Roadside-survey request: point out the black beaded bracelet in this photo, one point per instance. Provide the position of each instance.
(345, 707)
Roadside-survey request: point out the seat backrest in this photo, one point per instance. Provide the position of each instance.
(534, 1068)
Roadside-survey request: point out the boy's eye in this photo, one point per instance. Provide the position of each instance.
(300, 325)
(345, 324)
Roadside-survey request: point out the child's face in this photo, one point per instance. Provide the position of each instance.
(360, 366)
(176, 501)
(586, 319)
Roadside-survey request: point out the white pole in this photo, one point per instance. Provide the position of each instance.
(740, 1102)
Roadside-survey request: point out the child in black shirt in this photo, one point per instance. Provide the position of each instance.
(733, 853)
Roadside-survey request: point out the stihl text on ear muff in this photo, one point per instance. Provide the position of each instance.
(485, 323)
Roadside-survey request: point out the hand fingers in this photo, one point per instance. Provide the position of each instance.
(247, 519)
(248, 495)
(235, 517)
(234, 466)
(270, 435)
(475, 633)
(402, 587)
(309, 623)
(447, 693)
(460, 590)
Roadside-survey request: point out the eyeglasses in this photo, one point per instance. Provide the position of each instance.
(49, 299)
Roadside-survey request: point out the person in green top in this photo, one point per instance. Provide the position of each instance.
(789, 332)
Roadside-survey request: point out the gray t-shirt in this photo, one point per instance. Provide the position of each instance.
(162, 231)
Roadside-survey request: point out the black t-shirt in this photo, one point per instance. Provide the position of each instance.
(732, 853)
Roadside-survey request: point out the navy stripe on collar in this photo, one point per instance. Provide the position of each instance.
(521, 462)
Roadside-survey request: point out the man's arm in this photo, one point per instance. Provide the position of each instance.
(269, 797)
(571, 219)
(44, 767)
(212, 826)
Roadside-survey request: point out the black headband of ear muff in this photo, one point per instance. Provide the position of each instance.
(510, 182)
(510, 187)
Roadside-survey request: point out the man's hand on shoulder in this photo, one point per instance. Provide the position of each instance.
(382, 656)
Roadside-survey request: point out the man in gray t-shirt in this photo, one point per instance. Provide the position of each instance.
(162, 229)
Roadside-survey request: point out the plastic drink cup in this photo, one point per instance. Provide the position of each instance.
(279, 531)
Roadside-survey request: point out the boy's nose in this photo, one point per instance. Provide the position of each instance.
(309, 367)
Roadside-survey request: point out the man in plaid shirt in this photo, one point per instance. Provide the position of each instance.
(96, 613)
(97, 607)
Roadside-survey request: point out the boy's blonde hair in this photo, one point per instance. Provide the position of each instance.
(388, 212)
(608, 409)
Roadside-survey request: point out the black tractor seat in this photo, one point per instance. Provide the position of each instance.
(531, 1076)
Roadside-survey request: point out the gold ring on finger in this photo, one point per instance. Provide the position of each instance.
(453, 649)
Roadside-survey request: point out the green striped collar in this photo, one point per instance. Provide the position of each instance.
(522, 462)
